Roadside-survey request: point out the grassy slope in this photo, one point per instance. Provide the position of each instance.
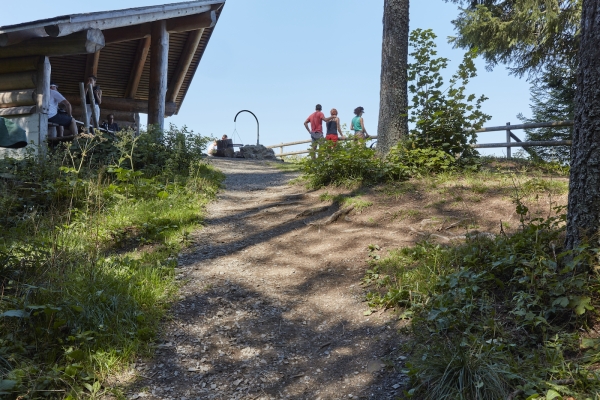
(85, 286)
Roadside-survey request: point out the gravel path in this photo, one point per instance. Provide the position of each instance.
(271, 307)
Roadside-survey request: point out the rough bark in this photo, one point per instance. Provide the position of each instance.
(393, 123)
(583, 216)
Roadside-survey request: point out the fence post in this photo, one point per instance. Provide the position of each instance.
(508, 155)
(281, 149)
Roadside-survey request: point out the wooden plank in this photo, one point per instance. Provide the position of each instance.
(159, 60)
(84, 42)
(555, 124)
(123, 18)
(543, 143)
(20, 64)
(138, 69)
(187, 56)
(4, 112)
(192, 22)
(309, 141)
(18, 81)
(127, 33)
(17, 98)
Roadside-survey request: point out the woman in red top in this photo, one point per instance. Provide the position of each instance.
(333, 127)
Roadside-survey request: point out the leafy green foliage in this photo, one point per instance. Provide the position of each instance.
(444, 118)
(78, 299)
(493, 316)
(351, 162)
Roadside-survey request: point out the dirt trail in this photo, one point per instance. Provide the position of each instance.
(271, 307)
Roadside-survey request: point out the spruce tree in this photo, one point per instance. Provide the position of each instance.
(526, 35)
(552, 97)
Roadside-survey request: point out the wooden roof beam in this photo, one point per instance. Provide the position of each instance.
(136, 73)
(91, 65)
(187, 56)
(174, 25)
(84, 42)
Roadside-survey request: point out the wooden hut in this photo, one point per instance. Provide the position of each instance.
(145, 59)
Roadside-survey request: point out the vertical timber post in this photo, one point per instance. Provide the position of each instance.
(43, 97)
(86, 118)
(95, 118)
(508, 154)
(159, 60)
(281, 149)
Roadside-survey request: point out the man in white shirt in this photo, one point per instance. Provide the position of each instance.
(62, 119)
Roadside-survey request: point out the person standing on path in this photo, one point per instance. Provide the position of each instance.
(316, 126)
(358, 124)
(334, 127)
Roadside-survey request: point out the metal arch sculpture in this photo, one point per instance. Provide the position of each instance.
(257, 124)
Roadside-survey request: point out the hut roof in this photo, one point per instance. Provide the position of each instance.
(123, 64)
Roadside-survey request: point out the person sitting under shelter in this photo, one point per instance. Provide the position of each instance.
(110, 124)
(61, 119)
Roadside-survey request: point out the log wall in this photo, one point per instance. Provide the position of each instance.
(24, 97)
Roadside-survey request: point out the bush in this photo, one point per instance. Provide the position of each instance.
(444, 118)
(351, 162)
(79, 300)
(494, 316)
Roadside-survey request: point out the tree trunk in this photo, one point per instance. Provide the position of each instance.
(583, 216)
(393, 122)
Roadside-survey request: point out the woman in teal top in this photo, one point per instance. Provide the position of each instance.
(358, 124)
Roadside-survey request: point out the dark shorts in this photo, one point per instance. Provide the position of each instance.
(62, 119)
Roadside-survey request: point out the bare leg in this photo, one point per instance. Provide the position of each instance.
(59, 131)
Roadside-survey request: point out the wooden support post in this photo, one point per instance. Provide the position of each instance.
(159, 60)
(86, 126)
(95, 117)
(43, 96)
(508, 154)
(281, 149)
(91, 65)
(84, 42)
(137, 124)
(136, 72)
(187, 56)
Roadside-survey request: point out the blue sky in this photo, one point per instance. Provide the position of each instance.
(279, 58)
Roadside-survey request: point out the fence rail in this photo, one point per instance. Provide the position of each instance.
(509, 144)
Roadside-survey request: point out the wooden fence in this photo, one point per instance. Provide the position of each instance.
(509, 144)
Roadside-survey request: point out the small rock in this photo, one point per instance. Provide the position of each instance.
(396, 386)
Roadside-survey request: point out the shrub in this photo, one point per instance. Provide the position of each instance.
(444, 118)
(78, 299)
(492, 315)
